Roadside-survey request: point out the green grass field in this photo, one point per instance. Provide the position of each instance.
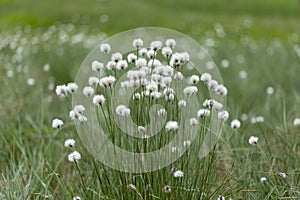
(255, 45)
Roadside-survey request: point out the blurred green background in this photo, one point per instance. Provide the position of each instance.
(270, 17)
(256, 37)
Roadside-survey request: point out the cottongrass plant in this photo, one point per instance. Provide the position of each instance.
(155, 75)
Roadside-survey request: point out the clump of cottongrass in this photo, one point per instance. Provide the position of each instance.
(154, 74)
(253, 140)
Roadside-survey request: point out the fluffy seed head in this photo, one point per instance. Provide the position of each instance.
(182, 103)
(221, 90)
(263, 179)
(116, 57)
(105, 48)
(282, 175)
(235, 124)
(178, 174)
(171, 126)
(257, 119)
(122, 64)
(69, 143)
(166, 52)
(88, 91)
(93, 81)
(111, 65)
(190, 90)
(205, 77)
(74, 156)
(72, 87)
(167, 189)
(203, 113)
(122, 110)
(131, 58)
(137, 43)
(57, 123)
(98, 100)
(253, 140)
(155, 45)
(61, 90)
(223, 115)
(97, 66)
(194, 79)
(162, 112)
(170, 43)
(296, 122)
(141, 62)
(143, 52)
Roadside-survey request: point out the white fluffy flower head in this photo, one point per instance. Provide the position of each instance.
(253, 140)
(98, 100)
(69, 143)
(74, 156)
(235, 124)
(72, 87)
(105, 48)
(178, 174)
(57, 123)
(171, 126)
(97, 66)
(137, 43)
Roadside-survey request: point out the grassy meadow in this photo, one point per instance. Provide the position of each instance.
(256, 47)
